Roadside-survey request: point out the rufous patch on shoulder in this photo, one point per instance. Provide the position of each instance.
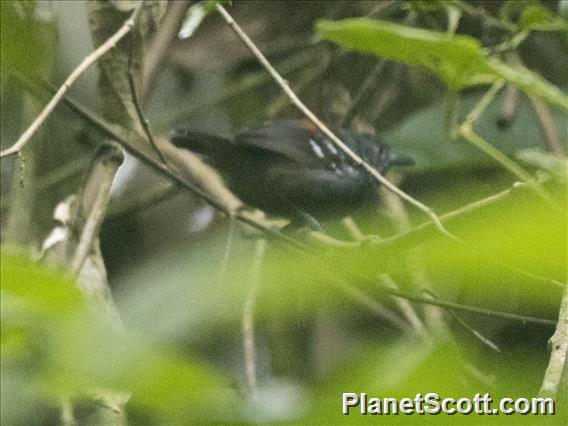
(309, 126)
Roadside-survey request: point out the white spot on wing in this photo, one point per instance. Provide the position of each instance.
(349, 169)
(316, 148)
(336, 169)
(331, 147)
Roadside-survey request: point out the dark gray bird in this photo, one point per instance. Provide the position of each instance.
(289, 168)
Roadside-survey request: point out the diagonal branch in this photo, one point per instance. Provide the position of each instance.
(548, 126)
(248, 327)
(463, 308)
(138, 107)
(466, 131)
(95, 200)
(159, 45)
(83, 66)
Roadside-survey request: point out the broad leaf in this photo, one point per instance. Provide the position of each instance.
(458, 60)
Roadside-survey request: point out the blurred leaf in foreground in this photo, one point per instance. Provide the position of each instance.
(76, 352)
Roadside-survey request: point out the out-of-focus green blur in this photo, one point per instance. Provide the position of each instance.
(324, 321)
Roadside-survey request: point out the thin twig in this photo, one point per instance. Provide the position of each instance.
(310, 115)
(465, 325)
(83, 66)
(248, 315)
(408, 239)
(487, 18)
(362, 93)
(483, 103)
(433, 315)
(370, 303)
(406, 308)
(67, 416)
(510, 165)
(464, 308)
(509, 106)
(138, 107)
(548, 126)
(105, 165)
(161, 42)
(466, 131)
(353, 229)
(559, 352)
(227, 252)
(418, 230)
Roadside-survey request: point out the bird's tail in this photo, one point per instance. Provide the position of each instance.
(212, 147)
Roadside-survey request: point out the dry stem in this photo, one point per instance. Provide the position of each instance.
(248, 315)
(83, 66)
(559, 351)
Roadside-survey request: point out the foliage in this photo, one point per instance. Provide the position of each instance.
(324, 319)
(458, 60)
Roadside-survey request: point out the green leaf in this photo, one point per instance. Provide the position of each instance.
(40, 289)
(536, 17)
(458, 60)
(76, 351)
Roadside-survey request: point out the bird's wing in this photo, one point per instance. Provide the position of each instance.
(292, 139)
(200, 142)
(302, 186)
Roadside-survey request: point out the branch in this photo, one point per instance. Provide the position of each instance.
(105, 164)
(363, 93)
(466, 131)
(162, 40)
(509, 106)
(464, 308)
(138, 107)
(371, 304)
(559, 351)
(309, 114)
(433, 315)
(83, 66)
(248, 315)
(510, 165)
(136, 145)
(406, 308)
(407, 238)
(548, 126)
(412, 237)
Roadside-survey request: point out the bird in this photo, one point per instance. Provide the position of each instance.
(290, 169)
